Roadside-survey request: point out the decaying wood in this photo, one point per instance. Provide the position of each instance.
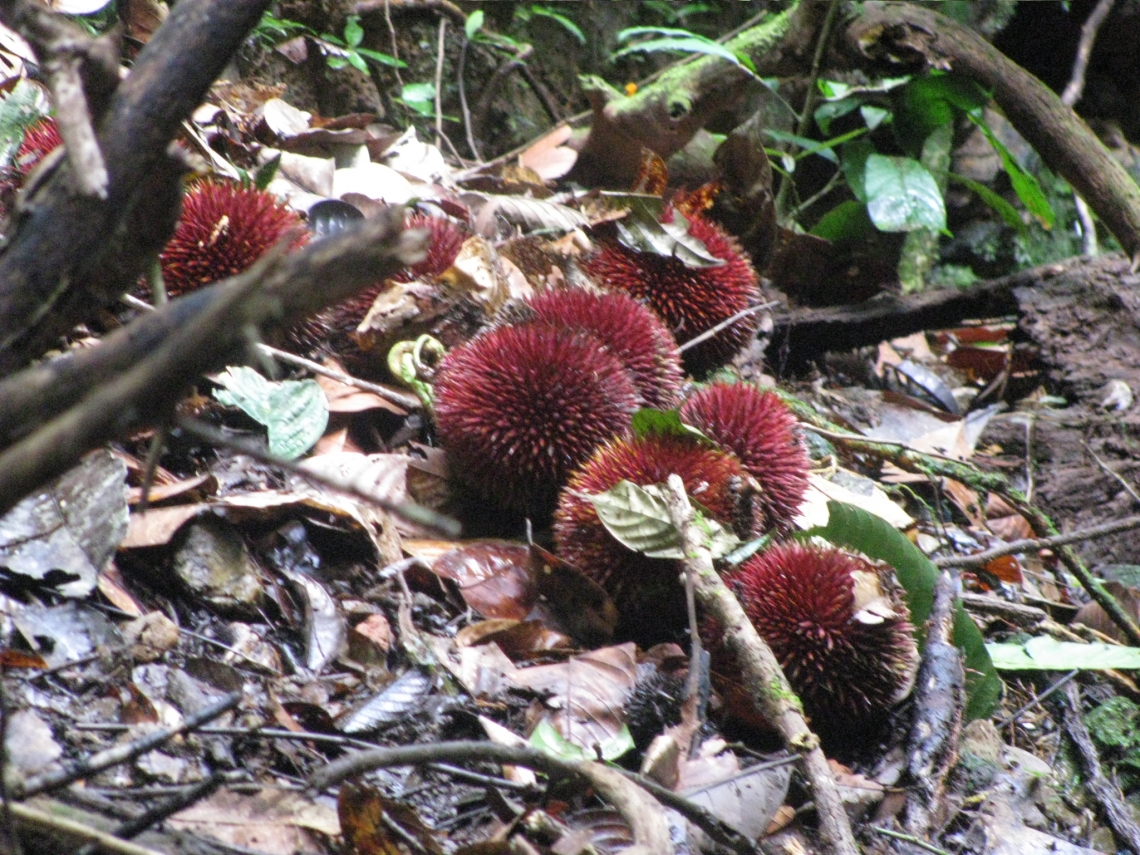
(939, 697)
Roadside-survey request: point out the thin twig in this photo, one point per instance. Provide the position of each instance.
(1106, 792)
(478, 155)
(57, 778)
(392, 36)
(440, 45)
(1030, 544)
(1107, 471)
(28, 815)
(1024, 708)
(408, 511)
(725, 324)
(394, 396)
(1076, 85)
(909, 838)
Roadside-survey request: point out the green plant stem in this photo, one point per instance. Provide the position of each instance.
(810, 98)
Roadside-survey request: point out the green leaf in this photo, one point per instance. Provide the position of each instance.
(829, 111)
(474, 23)
(338, 62)
(873, 116)
(930, 101)
(1046, 653)
(846, 221)
(357, 61)
(545, 737)
(567, 24)
(420, 97)
(382, 58)
(353, 32)
(857, 529)
(677, 40)
(902, 195)
(296, 412)
(266, 172)
(638, 518)
(650, 422)
(854, 165)
(1002, 208)
(1024, 184)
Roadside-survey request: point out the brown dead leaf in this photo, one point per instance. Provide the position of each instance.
(493, 577)
(269, 821)
(374, 824)
(547, 157)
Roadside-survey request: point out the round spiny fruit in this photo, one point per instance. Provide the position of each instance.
(223, 230)
(444, 243)
(39, 140)
(691, 300)
(518, 408)
(647, 591)
(758, 428)
(628, 329)
(849, 662)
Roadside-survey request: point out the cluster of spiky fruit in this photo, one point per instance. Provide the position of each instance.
(846, 649)
(520, 406)
(691, 300)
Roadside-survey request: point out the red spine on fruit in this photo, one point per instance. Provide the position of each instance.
(223, 230)
(848, 664)
(39, 140)
(691, 300)
(647, 591)
(758, 428)
(628, 329)
(518, 408)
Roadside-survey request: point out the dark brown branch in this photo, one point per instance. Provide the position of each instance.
(920, 38)
(138, 373)
(70, 254)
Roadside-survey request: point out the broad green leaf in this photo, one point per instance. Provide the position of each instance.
(829, 111)
(420, 97)
(1046, 653)
(357, 61)
(846, 221)
(338, 62)
(643, 232)
(650, 422)
(678, 40)
(545, 737)
(638, 518)
(902, 195)
(474, 23)
(854, 165)
(1024, 184)
(353, 32)
(294, 411)
(873, 116)
(930, 101)
(873, 536)
(1002, 208)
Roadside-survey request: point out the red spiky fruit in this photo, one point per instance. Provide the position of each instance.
(647, 591)
(690, 300)
(758, 428)
(850, 657)
(518, 408)
(628, 329)
(444, 242)
(39, 140)
(223, 230)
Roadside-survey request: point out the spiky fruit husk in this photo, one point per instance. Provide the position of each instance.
(223, 230)
(518, 408)
(39, 140)
(647, 591)
(628, 329)
(690, 300)
(336, 324)
(758, 428)
(848, 669)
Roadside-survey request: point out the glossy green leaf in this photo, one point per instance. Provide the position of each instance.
(902, 195)
(846, 221)
(650, 422)
(382, 58)
(353, 32)
(930, 101)
(857, 529)
(853, 162)
(266, 172)
(1046, 653)
(681, 41)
